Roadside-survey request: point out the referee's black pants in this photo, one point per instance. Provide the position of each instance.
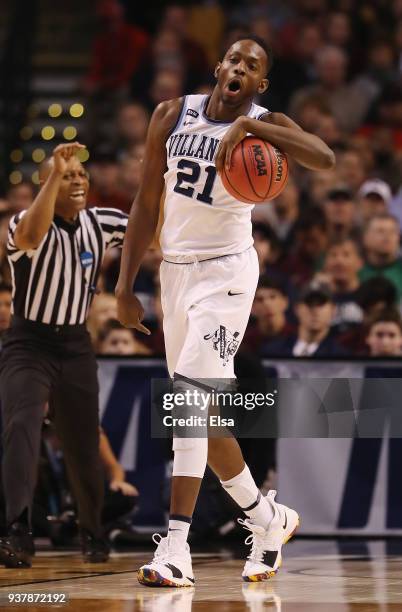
(40, 361)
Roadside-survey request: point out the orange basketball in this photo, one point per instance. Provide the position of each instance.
(258, 172)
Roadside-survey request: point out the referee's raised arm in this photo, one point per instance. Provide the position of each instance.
(37, 220)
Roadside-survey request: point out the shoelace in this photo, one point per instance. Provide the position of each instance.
(256, 541)
(162, 549)
(271, 493)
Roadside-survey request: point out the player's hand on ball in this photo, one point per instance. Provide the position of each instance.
(233, 136)
(130, 312)
(62, 153)
(125, 487)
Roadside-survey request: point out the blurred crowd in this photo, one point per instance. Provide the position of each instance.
(329, 246)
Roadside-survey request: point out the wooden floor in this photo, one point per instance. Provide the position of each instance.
(316, 577)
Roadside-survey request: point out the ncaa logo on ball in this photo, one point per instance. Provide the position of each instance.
(259, 160)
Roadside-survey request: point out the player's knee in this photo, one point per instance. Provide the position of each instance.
(190, 457)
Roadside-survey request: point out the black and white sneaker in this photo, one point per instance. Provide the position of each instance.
(265, 557)
(170, 567)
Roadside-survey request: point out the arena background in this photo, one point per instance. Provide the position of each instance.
(94, 71)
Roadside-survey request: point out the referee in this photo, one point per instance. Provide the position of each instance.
(55, 249)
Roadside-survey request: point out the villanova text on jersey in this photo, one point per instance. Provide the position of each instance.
(197, 146)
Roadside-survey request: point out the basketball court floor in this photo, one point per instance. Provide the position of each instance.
(317, 576)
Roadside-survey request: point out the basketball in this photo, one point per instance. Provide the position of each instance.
(258, 171)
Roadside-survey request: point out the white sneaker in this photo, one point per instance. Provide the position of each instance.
(170, 567)
(266, 544)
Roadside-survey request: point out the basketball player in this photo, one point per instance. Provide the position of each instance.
(208, 280)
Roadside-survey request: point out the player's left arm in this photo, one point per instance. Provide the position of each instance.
(278, 129)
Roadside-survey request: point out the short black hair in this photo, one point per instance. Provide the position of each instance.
(313, 217)
(374, 290)
(388, 315)
(261, 43)
(341, 240)
(269, 234)
(275, 284)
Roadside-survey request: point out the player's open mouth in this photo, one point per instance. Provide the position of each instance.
(234, 86)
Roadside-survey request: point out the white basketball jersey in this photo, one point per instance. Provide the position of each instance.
(200, 216)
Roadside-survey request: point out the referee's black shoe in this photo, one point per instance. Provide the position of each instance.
(17, 548)
(94, 550)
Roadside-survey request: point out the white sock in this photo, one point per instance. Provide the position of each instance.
(244, 491)
(179, 527)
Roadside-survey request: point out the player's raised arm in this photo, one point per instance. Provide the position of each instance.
(278, 129)
(144, 213)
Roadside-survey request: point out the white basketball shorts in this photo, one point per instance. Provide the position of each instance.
(206, 307)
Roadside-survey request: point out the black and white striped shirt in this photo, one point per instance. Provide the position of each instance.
(55, 282)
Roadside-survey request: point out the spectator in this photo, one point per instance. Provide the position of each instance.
(381, 243)
(267, 246)
(20, 196)
(385, 161)
(309, 111)
(311, 241)
(131, 125)
(104, 189)
(342, 264)
(115, 339)
(374, 198)
(339, 30)
(270, 330)
(282, 213)
(293, 71)
(319, 184)
(104, 307)
(130, 173)
(373, 296)
(384, 335)
(314, 311)
(176, 19)
(380, 70)
(167, 84)
(341, 212)
(327, 128)
(387, 110)
(166, 58)
(351, 169)
(117, 52)
(117, 49)
(120, 499)
(345, 100)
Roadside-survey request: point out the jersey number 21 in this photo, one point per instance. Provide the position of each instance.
(192, 177)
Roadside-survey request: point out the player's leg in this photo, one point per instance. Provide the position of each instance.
(171, 565)
(76, 410)
(25, 382)
(271, 524)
